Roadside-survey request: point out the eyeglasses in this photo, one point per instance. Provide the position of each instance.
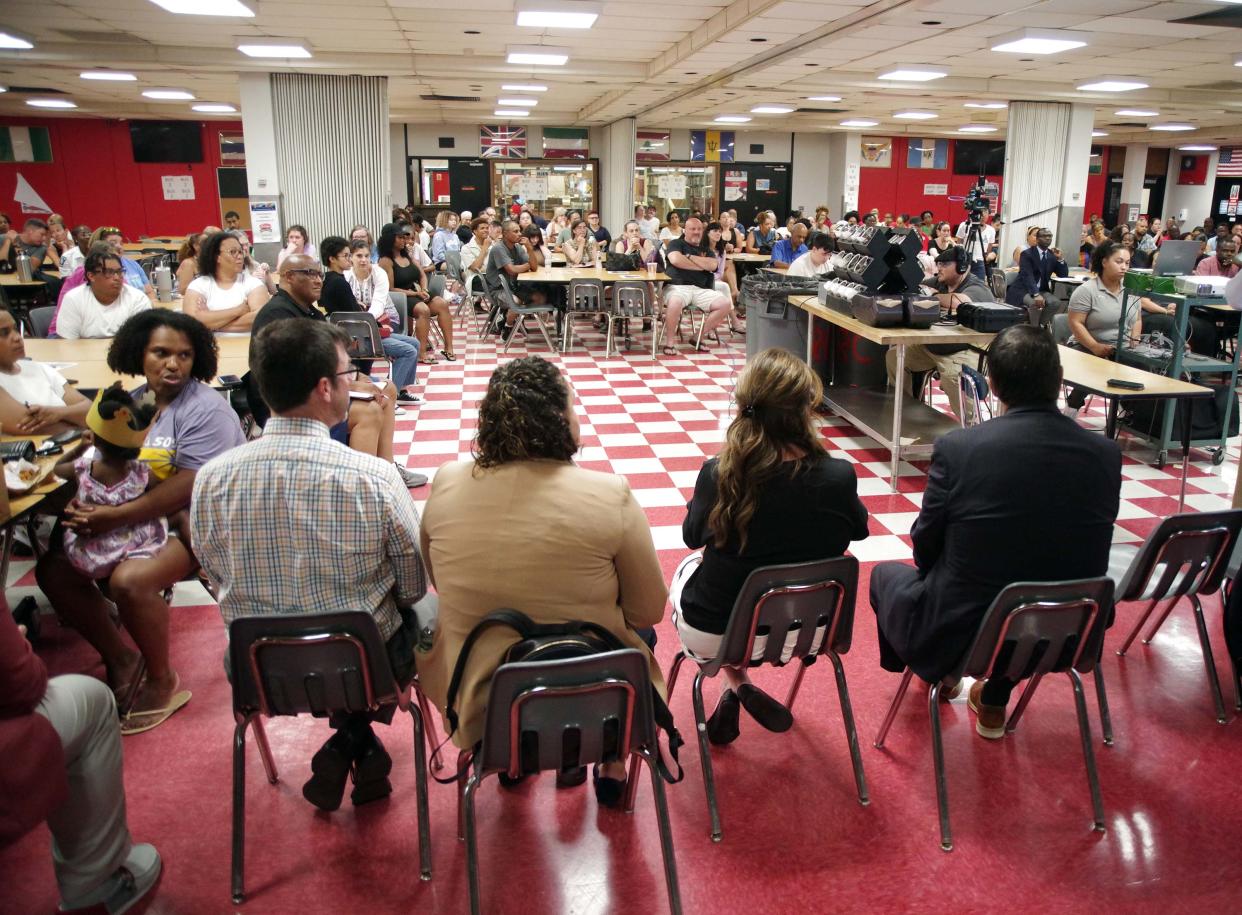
(110, 271)
(309, 271)
(350, 373)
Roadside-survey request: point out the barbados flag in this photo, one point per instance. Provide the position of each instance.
(711, 145)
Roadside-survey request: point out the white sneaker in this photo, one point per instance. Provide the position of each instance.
(131, 882)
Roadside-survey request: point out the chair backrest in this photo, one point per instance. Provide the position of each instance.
(504, 298)
(452, 264)
(631, 299)
(973, 387)
(813, 599)
(1060, 328)
(402, 305)
(41, 319)
(586, 295)
(311, 663)
(1185, 554)
(1040, 628)
(363, 330)
(564, 714)
(478, 286)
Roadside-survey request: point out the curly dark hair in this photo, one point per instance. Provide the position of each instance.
(209, 252)
(125, 355)
(522, 416)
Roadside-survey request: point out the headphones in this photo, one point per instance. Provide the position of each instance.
(961, 259)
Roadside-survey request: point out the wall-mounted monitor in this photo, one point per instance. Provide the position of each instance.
(166, 141)
(978, 157)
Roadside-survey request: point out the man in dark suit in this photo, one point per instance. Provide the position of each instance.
(1027, 496)
(1032, 287)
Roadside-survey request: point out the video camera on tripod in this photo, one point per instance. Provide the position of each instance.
(975, 203)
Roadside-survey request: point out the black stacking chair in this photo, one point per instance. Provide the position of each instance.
(1186, 556)
(586, 297)
(1031, 629)
(316, 664)
(812, 602)
(560, 715)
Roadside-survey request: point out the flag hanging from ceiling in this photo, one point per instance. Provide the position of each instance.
(654, 146)
(502, 142)
(1230, 163)
(711, 145)
(565, 142)
(25, 144)
(927, 153)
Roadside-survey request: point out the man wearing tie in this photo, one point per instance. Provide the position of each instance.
(1032, 288)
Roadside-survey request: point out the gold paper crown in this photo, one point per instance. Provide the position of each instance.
(123, 429)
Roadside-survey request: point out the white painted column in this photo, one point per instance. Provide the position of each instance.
(810, 164)
(844, 165)
(616, 165)
(1132, 183)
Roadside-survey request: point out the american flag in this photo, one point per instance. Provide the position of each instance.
(496, 142)
(1230, 163)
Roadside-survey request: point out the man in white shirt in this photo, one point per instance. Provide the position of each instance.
(72, 259)
(474, 252)
(817, 259)
(650, 225)
(979, 254)
(101, 306)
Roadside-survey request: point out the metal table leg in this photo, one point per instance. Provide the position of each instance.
(1181, 498)
(898, 396)
(1110, 425)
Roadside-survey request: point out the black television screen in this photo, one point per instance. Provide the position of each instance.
(166, 141)
(979, 157)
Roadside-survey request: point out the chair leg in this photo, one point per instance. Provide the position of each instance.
(631, 781)
(666, 836)
(1237, 684)
(1031, 685)
(1208, 660)
(1084, 730)
(420, 789)
(429, 727)
(608, 338)
(1151, 633)
(543, 329)
(463, 766)
(674, 671)
(239, 809)
(265, 752)
(705, 756)
(851, 732)
(472, 852)
(1137, 626)
(1106, 720)
(892, 709)
(568, 336)
(796, 685)
(942, 781)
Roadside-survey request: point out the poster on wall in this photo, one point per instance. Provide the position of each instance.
(1096, 162)
(232, 149)
(533, 187)
(28, 198)
(735, 187)
(671, 187)
(502, 142)
(935, 190)
(927, 153)
(711, 145)
(178, 187)
(849, 194)
(877, 152)
(264, 222)
(654, 146)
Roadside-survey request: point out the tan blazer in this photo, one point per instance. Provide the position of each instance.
(548, 538)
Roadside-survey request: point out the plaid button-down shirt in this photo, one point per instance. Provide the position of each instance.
(299, 523)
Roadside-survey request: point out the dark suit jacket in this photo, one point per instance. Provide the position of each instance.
(1028, 496)
(1034, 275)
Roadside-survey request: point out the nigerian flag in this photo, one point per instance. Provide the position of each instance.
(25, 144)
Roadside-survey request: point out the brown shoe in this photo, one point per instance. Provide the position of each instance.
(950, 689)
(990, 719)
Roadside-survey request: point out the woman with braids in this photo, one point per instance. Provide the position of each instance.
(522, 527)
(772, 496)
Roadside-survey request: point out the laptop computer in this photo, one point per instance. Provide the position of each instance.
(1176, 258)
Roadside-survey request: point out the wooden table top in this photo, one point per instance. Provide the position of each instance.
(1086, 370)
(90, 366)
(750, 258)
(137, 247)
(12, 279)
(19, 505)
(565, 274)
(887, 336)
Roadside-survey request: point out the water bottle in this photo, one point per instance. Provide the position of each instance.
(24, 270)
(163, 283)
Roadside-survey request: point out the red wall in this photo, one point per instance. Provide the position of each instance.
(93, 179)
(899, 189)
(1096, 185)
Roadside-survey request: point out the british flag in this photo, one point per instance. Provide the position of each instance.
(497, 142)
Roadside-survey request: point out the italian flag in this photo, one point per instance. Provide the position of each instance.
(25, 144)
(564, 142)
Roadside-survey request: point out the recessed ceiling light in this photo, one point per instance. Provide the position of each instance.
(537, 55)
(524, 87)
(859, 122)
(214, 108)
(732, 119)
(4, 88)
(976, 128)
(1039, 41)
(517, 102)
(771, 109)
(1197, 147)
(758, 40)
(557, 14)
(11, 42)
(1171, 128)
(1237, 60)
(169, 95)
(1136, 113)
(1112, 84)
(274, 50)
(511, 113)
(823, 98)
(110, 75)
(1099, 133)
(472, 32)
(50, 103)
(206, 7)
(915, 115)
(990, 106)
(912, 74)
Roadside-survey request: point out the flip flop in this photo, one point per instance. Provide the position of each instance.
(431, 360)
(126, 693)
(450, 356)
(137, 722)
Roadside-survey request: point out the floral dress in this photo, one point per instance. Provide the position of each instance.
(99, 555)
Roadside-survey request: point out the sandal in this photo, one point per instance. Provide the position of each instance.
(428, 360)
(449, 355)
(137, 722)
(669, 351)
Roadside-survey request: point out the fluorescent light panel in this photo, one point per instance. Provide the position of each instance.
(537, 55)
(50, 103)
(557, 14)
(732, 119)
(1197, 148)
(1039, 41)
(990, 106)
(1171, 128)
(511, 113)
(214, 108)
(976, 128)
(1099, 133)
(1136, 113)
(915, 115)
(169, 95)
(206, 7)
(11, 42)
(523, 87)
(1112, 84)
(771, 109)
(823, 98)
(859, 122)
(274, 50)
(912, 74)
(109, 76)
(517, 102)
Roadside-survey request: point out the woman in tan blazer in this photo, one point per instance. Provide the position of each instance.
(522, 527)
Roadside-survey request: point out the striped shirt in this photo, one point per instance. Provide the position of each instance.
(298, 523)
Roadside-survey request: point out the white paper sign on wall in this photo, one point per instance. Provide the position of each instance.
(178, 187)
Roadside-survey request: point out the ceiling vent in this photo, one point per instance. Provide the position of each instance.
(436, 97)
(1227, 85)
(820, 110)
(35, 90)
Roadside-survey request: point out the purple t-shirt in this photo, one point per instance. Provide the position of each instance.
(193, 429)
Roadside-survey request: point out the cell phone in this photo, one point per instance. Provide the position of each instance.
(229, 379)
(1128, 385)
(64, 438)
(359, 395)
(48, 447)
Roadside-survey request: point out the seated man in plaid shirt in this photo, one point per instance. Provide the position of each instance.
(298, 523)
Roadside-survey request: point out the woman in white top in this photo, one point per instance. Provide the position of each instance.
(369, 284)
(579, 248)
(34, 398)
(673, 229)
(297, 241)
(224, 296)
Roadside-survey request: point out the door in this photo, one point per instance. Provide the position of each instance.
(469, 184)
(751, 187)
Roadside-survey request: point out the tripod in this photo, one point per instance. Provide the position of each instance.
(973, 242)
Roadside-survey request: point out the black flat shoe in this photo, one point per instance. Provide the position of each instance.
(572, 778)
(722, 727)
(371, 768)
(609, 792)
(764, 709)
(508, 781)
(330, 768)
